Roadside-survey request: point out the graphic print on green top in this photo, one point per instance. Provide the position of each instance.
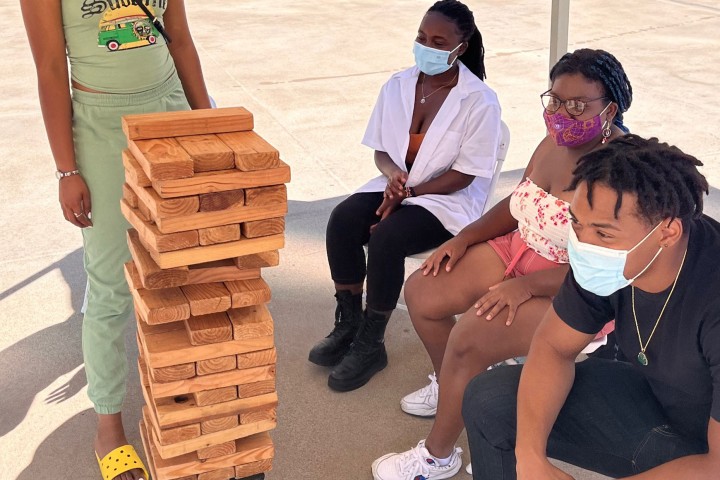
(125, 28)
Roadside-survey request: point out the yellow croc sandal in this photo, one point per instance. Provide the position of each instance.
(121, 460)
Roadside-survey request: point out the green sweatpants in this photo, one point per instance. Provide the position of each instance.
(99, 141)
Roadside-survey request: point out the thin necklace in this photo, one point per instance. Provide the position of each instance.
(641, 357)
(422, 87)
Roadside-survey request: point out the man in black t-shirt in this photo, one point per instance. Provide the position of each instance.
(642, 252)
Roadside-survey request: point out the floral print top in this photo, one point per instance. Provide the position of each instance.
(543, 220)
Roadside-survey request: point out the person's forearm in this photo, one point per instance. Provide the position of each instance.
(385, 164)
(546, 283)
(189, 70)
(56, 107)
(448, 182)
(540, 398)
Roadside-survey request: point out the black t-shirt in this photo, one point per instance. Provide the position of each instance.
(684, 354)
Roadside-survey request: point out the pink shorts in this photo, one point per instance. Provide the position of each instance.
(519, 259)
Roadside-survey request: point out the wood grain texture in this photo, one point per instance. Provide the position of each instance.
(151, 275)
(187, 122)
(162, 158)
(221, 234)
(213, 396)
(214, 388)
(220, 474)
(146, 198)
(151, 237)
(206, 298)
(251, 151)
(219, 271)
(216, 365)
(174, 373)
(179, 434)
(219, 450)
(163, 305)
(254, 389)
(249, 292)
(219, 424)
(253, 468)
(207, 329)
(228, 216)
(129, 195)
(133, 171)
(251, 322)
(211, 202)
(256, 359)
(209, 253)
(208, 152)
(258, 415)
(132, 276)
(263, 228)
(210, 182)
(259, 260)
(264, 196)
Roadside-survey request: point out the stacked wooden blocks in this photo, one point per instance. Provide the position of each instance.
(206, 199)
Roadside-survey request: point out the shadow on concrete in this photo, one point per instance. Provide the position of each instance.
(49, 353)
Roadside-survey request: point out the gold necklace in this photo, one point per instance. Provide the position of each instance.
(422, 87)
(641, 357)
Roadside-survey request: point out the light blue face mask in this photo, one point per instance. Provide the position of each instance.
(432, 61)
(599, 270)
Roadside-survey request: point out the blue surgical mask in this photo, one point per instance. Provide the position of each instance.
(432, 61)
(599, 270)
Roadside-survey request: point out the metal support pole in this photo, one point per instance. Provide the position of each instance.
(560, 19)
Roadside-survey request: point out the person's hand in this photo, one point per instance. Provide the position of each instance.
(75, 201)
(510, 293)
(396, 184)
(540, 471)
(388, 206)
(453, 249)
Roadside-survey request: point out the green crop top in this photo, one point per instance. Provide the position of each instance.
(113, 47)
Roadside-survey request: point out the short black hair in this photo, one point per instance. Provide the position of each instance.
(665, 180)
(474, 57)
(600, 66)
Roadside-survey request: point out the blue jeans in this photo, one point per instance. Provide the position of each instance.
(611, 423)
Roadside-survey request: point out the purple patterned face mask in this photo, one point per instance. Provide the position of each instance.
(571, 132)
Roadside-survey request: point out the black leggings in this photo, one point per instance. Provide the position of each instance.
(410, 229)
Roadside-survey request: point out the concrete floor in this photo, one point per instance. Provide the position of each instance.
(310, 72)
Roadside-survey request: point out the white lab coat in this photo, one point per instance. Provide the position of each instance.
(464, 136)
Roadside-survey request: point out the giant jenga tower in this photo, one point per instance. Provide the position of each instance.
(206, 198)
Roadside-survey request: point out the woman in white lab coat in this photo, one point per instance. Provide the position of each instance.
(435, 130)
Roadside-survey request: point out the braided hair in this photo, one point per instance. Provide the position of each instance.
(600, 66)
(474, 57)
(665, 180)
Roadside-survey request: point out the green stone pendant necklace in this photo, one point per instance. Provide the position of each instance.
(641, 356)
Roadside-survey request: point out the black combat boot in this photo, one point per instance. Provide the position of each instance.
(366, 357)
(348, 315)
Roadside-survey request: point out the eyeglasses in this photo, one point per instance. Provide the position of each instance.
(573, 107)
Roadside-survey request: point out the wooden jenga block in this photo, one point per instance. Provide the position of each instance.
(219, 271)
(250, 450)
(259, 415)
(263, 228)
(214, 385)
(255, 389)
(129, 196)
(219, 450)
(216, 365)
(162, 158)
(253, 468)
(132, 276)
(211, 202)
(144, 212)
(150, 203)
(187, 122)
(248, 292)
(151, 237)
(250, 322)
(207, 329)
(163, 305)
(133, 171)
(221, 474)
(259, 260)
(180, 434)
(173, 347)
(208, 152)
(264, 196)
(219, 424)
(173, 373)
(216, 395)
(221, 234)
(228, 216)
(151, 275)
(244, 246)
(206, 298)
(252, 152)
(256, 359)
(221, 181)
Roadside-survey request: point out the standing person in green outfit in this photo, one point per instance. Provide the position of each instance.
(122, 61)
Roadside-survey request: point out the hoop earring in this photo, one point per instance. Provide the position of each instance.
(606, 132)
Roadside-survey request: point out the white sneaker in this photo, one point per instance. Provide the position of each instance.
(415, 464)
(468, 469)
(423, 402)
